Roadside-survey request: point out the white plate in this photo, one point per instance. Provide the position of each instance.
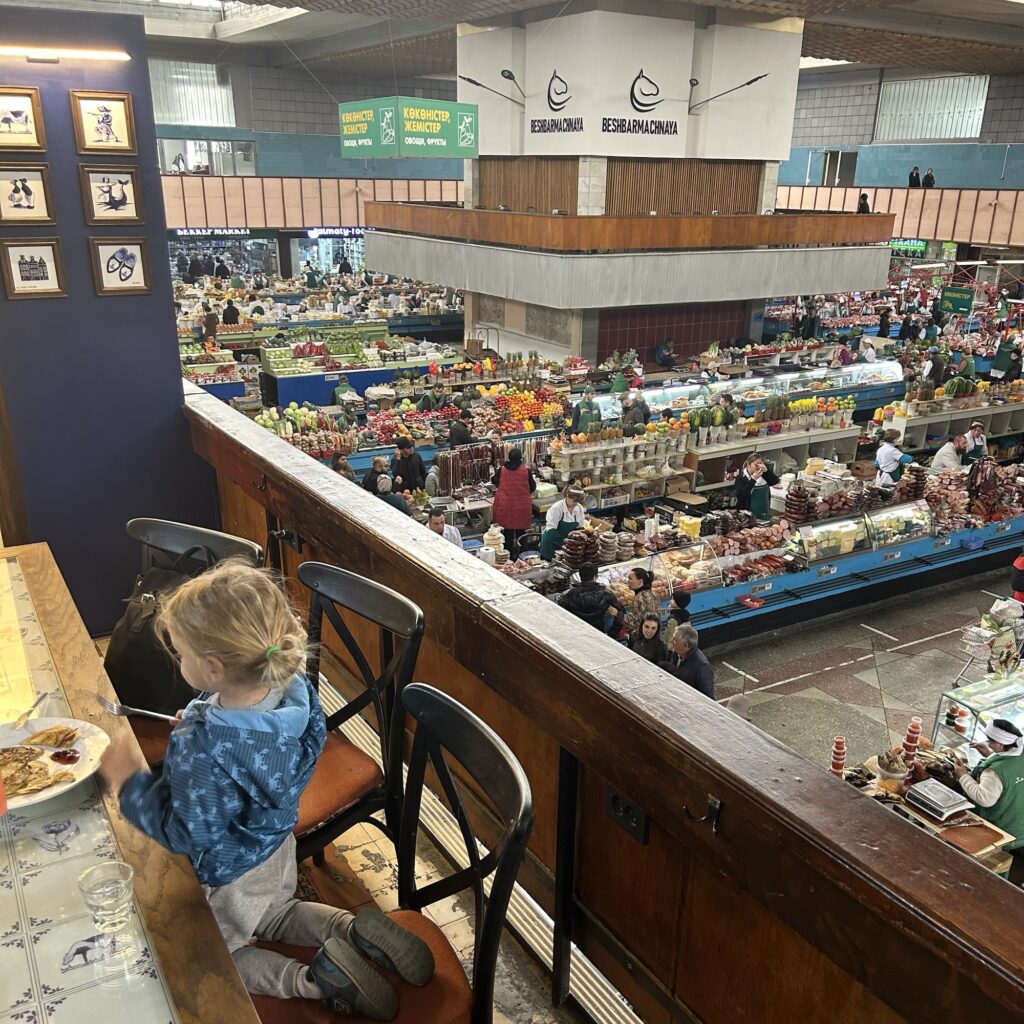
(91, 743)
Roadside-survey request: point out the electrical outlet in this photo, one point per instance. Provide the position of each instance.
(626, 814)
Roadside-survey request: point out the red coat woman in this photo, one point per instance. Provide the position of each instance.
(513, 501)
(1017, 577)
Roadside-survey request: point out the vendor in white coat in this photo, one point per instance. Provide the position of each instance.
(563, 517)
(977, 443)
(889, 460)
(868, 354)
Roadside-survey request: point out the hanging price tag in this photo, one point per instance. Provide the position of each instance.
(761, 588)
(943, 542)
(1003, 527)
(826, 570)
(892, 556)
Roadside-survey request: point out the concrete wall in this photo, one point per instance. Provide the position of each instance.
(1004, 110)
(838, 115)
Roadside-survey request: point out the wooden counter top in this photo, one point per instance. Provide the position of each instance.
(202, 983)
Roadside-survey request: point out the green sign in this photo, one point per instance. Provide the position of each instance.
(956, 300)
(397, 126)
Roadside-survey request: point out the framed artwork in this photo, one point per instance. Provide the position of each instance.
(111, 195)
(21, 118)
(25, 195)
(103, 122)
(32, 268)
(120, 266)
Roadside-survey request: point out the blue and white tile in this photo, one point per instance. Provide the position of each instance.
(51, 893)
(143, 1000)
(15, 984)
(41, 841)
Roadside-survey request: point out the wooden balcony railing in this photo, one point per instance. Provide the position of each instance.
(977, 216)
(557, 233)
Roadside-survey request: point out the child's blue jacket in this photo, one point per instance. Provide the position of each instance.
(229, 792)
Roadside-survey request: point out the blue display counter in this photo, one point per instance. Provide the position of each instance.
(225, 392)
(360, 461)
(318, 388)
(827, 580)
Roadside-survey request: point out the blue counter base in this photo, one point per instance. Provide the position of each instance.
(831, 586)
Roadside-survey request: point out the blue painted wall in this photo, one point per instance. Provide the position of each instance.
(293, 155)
(956, 165)
(93, 384)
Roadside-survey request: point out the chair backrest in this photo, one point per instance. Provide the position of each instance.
(444, 725)
(400, 624)
(160, 536)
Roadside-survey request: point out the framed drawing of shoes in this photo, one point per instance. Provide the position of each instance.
(120, 266)
(103, 122)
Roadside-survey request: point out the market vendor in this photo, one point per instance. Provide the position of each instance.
(433, 399)
(665, 353)
(889, 460)
(1001, 360)
(407, 466)
(961, 361)
(868, 354)
(459, 432)
(753, 487)
(437, 522)
(1013, 371)
(934, 369)
(843, 356)
(950, 455)
(586, 415)
(996, 786)
(977, 443)
(513, 499)
(563, 517)
(668, 414)
(343, 388)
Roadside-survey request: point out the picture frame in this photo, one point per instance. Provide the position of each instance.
(21, 119)
(26, 196)
(33, 268)
(104, 122)
(111, 194)
(120, 266)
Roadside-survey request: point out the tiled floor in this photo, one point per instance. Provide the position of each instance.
(362, 872)
(862, 674)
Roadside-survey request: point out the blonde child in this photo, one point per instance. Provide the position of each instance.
(228, 797)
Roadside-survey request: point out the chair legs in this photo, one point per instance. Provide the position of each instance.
(319, 859)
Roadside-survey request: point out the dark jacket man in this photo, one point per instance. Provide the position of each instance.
(688, 663)
(590, 600)
(458, 432)
(407, 464)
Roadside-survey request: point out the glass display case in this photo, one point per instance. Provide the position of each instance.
(859, 375)
(830, 538)
(694, 567)
(990, 698)
(900, 523)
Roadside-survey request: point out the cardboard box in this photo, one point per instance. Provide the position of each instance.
(863, 469)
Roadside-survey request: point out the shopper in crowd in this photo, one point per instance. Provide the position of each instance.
(907, 328)
(1001, 360)
(678, 611)
(339, 463)
(497, 450)
(221, 271)
(996, 786)
(228, 795)
(344, 267)
(432, 485)
(931, 332)
(753, 487)
(1014, 369)
(632, 414)
(863, 206)
(513, 499)
(950, 455)
(933, 367)
(181, 264)
(385, 491)
(889, 460)
(591, 601)
(230, 316)
(378, 467)
(727, 402)
(914, 180)
(433, 399)
(210, 322)
(884, 324)
(459, 432)
(407, 466)
(1017, 577)
(646, 641)
(563, 517)
(209, 266)
(977, 443)
(586, 415)
(439, 524)
(928, 181)
(195, 269)
(842, 355)
(688, 663)
(668, 414)
(645, 601)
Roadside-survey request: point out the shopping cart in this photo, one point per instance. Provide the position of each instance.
(989, 650)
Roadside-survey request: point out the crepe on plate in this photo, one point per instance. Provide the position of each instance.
(54, 736)
(24, 773)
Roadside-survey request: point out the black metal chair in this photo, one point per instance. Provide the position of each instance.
(348, 785)
(191, 549)
(445, 727)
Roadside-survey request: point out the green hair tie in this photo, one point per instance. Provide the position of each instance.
(272, 649)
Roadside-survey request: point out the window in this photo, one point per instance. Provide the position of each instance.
(206, 156)
(185, 92)
(840, 168)
(931, 108)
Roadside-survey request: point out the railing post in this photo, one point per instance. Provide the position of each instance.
(565, 874)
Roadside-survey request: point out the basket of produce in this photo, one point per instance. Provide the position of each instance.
(889, 765)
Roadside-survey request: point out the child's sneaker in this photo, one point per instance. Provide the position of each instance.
(350, 985)
(378, 937)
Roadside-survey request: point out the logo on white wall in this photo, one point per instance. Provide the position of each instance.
(558, 92)
(644, 93)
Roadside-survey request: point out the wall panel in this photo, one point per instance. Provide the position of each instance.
(255, 202)
(634, 187)
(195, 202)
(234, 202)
(529, 183)
(213, 189)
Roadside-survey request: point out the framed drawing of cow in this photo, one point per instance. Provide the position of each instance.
(21, 118)
(111, 194)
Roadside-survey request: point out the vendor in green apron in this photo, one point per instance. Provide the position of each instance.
(586, 414)
(1001, 360)
(753, 488)
(563, 517)
(433, 400)
(343, 388)
(996, 786)
(977, 443)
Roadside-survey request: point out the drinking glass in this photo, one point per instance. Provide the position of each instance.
(107, 889)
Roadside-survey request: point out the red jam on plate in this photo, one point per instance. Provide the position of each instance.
(69, 756)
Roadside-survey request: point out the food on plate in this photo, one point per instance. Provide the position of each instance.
(891, 786)
(67, 756)
(24, 773)
(892, 762)
(54, 736)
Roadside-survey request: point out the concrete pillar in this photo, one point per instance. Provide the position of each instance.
(769, 187)
(755, 319)
(590, 195)
(471, 184)
(588, 335)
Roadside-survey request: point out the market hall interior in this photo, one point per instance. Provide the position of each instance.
(661, 361)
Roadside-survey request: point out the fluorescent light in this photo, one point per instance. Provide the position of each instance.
(57, 53)
(1009, 263)
(971, 263)
(927, 266)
